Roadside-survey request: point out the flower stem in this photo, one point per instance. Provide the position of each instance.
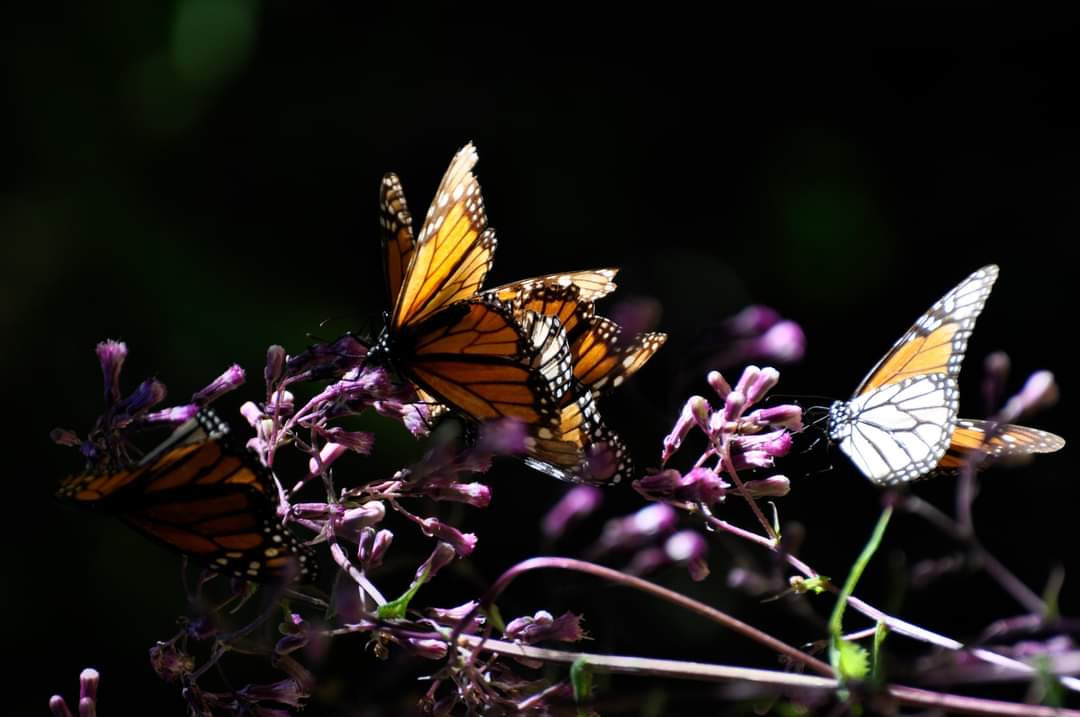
(835, 622)
(663, 593)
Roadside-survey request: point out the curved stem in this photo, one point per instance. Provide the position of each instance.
(653, 589)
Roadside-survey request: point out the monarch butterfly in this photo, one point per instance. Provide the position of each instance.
(563, 434)
(585, 449)
(198, 495)
(901, 423)
(461, 349)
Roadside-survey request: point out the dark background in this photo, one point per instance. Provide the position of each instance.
(200, 178)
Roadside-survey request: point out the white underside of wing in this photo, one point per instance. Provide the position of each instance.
(900, 431)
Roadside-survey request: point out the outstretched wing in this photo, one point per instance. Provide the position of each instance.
(398, 242)
(972, 438)
(938, 340)
(584, 449)
(454, 251)
(899, 431)
(198, 496)
(481, 360)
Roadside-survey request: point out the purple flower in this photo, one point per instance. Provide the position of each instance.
(700, 485)
(501, 437)
(280, 403)
(696, 412)
(1039, 391)
(718, 383)
(784, 342)
(577, 503)
(758, 333)
(688, 547)
(428, 648)
(787, 416)
(771, 487)
(477, 495)
(463, 543)
(176, 414)
(703, 485)
(352, 522)
(542, 626)
(630, 531)
(88, 686)
(275, 365)
(358, 441)
(149, 393)
(451, 617)
(323, 361)
(373, 546)
(111, 354)
(442, 556)
(329, 453)
(232, 379)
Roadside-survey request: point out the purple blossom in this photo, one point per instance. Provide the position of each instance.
(428, 648)
(111, 354)
(358, 441)
(501, 437)
(442, 556)
(325, 361)
(275, 365)
(542, 626)
(1039, 391)
(88, 687)
(452, 617)
(477, 495)
(328, 454)
(373, 546)
(462, 543)
(281, 403)
(577, 503)
(695, 412)
(176, 414)
(771, 487)
(232, 379)
(688, 547)
(758, 333)
(638, 528)
(700, 485)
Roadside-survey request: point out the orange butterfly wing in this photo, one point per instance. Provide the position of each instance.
(197, 496)
(481, 360)
(397, 234)
(938, 340)
(453, 253)
(1009, 440)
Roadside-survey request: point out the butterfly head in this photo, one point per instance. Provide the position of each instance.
(839, 425)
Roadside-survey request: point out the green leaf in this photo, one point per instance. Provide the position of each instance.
(854, 663)
(581, 679)
(495, 617)
(395, 609)
(879, 639)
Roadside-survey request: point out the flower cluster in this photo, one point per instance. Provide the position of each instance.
(738, 439)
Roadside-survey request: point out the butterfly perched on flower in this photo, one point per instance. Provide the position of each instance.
(531, 371)
(901, 423)
(198, 495)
